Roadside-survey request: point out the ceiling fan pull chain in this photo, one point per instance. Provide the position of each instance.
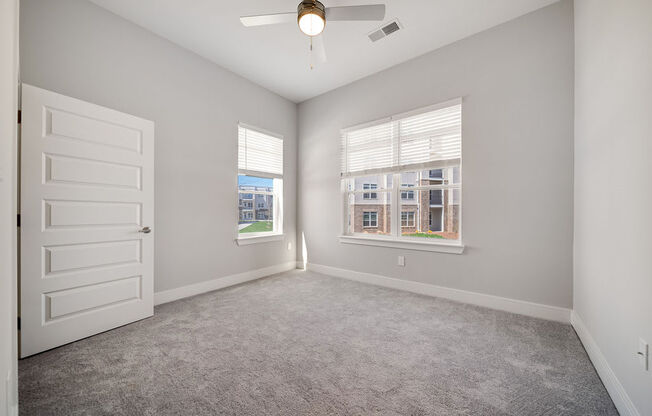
(310, 54)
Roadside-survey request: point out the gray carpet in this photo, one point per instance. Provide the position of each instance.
(301, 343)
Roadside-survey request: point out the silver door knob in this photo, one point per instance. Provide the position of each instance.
(145, 230)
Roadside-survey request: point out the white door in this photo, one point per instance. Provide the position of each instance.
(87, 202)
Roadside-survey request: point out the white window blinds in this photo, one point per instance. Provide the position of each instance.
(428, 138)
(259, 154)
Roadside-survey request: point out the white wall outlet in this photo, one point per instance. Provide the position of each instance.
(289, 246)
(401, 261)
(644, 354)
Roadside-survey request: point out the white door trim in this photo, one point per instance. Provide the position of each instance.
(8, 206)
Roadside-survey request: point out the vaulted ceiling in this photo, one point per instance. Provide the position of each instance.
(277, 57)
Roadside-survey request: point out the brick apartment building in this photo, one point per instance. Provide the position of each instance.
(254, 206)
(421, 211)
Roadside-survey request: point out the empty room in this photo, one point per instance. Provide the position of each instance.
(334, 207)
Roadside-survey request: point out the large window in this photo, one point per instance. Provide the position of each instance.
(260, 183)
(412, 162)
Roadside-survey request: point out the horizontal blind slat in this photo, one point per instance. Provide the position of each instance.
(426, 139)
(259, 152)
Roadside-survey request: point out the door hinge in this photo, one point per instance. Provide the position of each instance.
(18, 323)
(20, 117)
(18, 220)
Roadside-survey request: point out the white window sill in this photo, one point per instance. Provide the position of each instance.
(452, 247)
(245, 241)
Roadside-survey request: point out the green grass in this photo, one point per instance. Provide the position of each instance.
(423, 235)
(258, 227)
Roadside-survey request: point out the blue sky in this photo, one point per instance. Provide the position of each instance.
(254, 181)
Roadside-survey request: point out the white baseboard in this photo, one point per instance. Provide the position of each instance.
(220, 283)
(300, 264)
(537, 310)
(616, 390)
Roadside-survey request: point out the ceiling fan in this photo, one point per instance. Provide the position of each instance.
(311, 15)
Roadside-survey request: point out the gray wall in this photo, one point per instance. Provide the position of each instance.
(517, 84)
(78, 49)
(613, 184)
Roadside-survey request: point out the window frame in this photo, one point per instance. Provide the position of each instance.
(408, 214)
(369, 195)
(372, 224)
(398, 190)
(277, 182)
(441, 197)
(409, 194)
(276, 193)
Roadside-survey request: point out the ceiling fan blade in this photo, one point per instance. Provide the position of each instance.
(269, 19)
(319, 49)
(368, 12)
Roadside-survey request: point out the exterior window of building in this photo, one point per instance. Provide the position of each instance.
(435, 173)
(412, 162)
(436, 197)
(370, 195)
(407, 194)
(407, 219)
(260, 183)
(370, 219)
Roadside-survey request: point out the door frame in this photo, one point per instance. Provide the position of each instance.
(9, 104)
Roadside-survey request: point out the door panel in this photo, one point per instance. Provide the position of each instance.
(72, 257)
(87, 190)
(60, 124)
(68, 302)
(79, 171)
(69, 214)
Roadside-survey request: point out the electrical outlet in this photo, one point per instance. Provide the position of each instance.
(401, 261)
(643, 354)
(289, 246)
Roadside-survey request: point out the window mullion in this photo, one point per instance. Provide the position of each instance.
(395, 206)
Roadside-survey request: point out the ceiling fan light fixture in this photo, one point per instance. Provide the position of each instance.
(311, 17)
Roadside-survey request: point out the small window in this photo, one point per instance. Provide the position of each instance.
(436, 174)
(369, 195)
(436, 197)
(407, 194)
(370, 219)
(260, 182)
(407, 219)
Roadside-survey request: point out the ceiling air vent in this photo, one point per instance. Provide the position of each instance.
(386, 30)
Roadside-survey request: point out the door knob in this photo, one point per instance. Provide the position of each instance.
(145, 230)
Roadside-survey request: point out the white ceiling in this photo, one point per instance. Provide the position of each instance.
(276, 57)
